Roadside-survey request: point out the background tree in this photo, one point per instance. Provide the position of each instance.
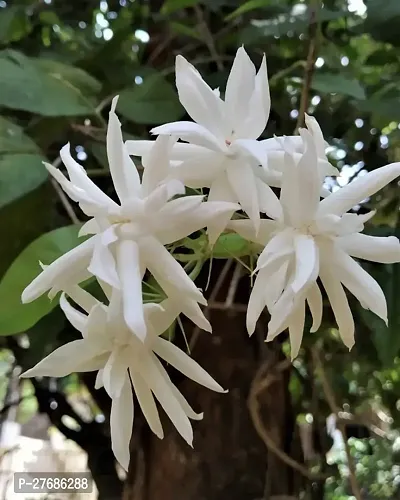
(60, 65)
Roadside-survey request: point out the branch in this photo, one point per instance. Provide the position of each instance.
(331, 400)
(208, 37)
(313, 31)
(261, 382)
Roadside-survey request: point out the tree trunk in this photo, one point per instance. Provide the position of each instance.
(229, 460)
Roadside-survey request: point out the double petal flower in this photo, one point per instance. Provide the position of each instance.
(124, 363)
(129, 237)
(309, 238)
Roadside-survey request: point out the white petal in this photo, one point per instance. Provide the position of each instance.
(385, 250)
(259, 106)
(161, 316)
(164, 393)
(69, 358)
(361, 284)
(281, 245)
(339, 303)
(90, 227)
(81, 297)
(202, 104)
(239, 89)
(121, 423)
(75, 317)
(220, 190)
(315, 303)
(243, 184)
(268, 201)
(252, 149)
(178, 395)
(192, 310)
(130, 276)
(167, 271)
(156, 164)
(358, 190)
(99, 380)
(102, 264)
(79, 178)
(185, 364)
(146, 402)
(296, 328)
(199, 171)
(75, 260)
(138, 147)
(256, 301)
(245, 228)
(123, 171)
(307, 262)
(114, 373)
(191, 132)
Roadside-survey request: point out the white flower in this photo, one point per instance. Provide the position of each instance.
(311, 238)
(222, 151)
(129, 236)
(108, 346)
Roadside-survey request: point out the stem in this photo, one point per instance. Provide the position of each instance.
(313, 32)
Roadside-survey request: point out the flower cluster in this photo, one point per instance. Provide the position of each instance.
(306, 233)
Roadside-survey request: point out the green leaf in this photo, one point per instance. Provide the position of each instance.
(246, 7)
(20, 174)
(14, 24)
(16, 317)
(232, 245)
(40, 87)
(14, 140)
(336, 83)
(153, 102)
(170, 6)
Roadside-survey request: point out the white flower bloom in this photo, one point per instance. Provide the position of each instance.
(108, 346)
(221, 152)
(129, 236)
(310, 238)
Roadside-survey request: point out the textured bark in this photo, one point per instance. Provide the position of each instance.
(229, 460)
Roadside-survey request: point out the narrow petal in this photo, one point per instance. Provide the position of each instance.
(259, 106)
(239, 89)
(167, 270)
(296, 329)
(202, 104)
(385, 250)
(156, 164)
(191, 132)
(123, 171)
(358, 190)
(99, 380)
(191, 310)
(90, 227)
(69, 358)
(60, 270)
(131, 283)
(256, 301)
(164, 393)
(245, 228)
(146, 402)
(79, 178)
(268, 201)
(339, 303)
(220, 190)
(102, 264)
(178, 395)
(315, 303)
(75, 317)
(114, 373)
(185, 364)
(199, 171)
(307, 262)
(139, 147)
(81, 297)
(121, 422)
(161, 316)
(361, 284)
(253, 149)
(281, 245)
(243, 183)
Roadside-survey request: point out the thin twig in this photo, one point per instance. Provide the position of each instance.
(262, 380)
(208, 37)
(313, 30)
(331, 400)
(233, 285)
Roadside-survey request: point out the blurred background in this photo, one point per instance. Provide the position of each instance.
(326, 427)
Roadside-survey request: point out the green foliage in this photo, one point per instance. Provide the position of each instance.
(14, 316)
(337, 83)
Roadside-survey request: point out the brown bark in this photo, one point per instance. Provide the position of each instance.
(229, 460)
